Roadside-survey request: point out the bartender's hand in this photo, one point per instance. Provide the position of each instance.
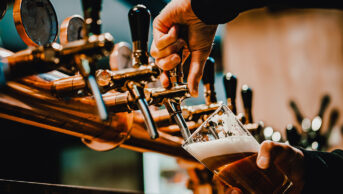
(289, 159)
(166, 42)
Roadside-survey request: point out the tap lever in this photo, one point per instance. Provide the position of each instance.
(208, 81)
(139, 19)
(297, 112)
(175, 112)
(247, 102)
(137, 91)
(324, 104)
(86, 72)
(91, 12)
(230, 84)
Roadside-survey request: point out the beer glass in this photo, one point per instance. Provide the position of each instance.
(225, 147)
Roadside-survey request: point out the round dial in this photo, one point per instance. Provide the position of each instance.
(72, 29)
(36, 21)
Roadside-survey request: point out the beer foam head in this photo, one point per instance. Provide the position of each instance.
(228, 145)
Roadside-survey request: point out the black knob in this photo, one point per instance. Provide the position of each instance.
(324, 104)
(209, 74)
(139, 19)
(208, 81)
(333, 118)
(297, 112)
(230, 85)
(293, 136)
(91, 12)
(246, 93)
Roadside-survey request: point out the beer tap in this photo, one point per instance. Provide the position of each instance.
(305, 123)
(293, 135)
(139, 19)
(208, 81)
(247, 102)
(333, 118)
(33, 60)
(173, 104)
(86, 64)
(230, 84)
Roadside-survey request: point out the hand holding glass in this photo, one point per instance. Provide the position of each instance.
(225, 147)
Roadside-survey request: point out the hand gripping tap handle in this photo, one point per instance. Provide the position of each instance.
(174, 105)
(230, 84)
(139, 19)
(247, 102)
(208, 81)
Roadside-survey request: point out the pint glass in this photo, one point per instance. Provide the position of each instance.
(225, 147)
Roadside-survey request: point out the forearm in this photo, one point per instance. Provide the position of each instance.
(222, 11)
(323, 171)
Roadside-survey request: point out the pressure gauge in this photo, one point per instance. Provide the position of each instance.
(3, 7)
(36, 21)
(72, 29)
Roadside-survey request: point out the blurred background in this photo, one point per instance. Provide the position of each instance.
(282, 54)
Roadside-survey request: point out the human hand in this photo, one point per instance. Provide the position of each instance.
(288, 159)
(167, 42)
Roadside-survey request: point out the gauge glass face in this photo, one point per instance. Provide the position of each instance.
(39, 21)
(75, 27)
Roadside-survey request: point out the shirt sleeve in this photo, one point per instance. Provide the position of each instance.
(323, 171)
(222, 11)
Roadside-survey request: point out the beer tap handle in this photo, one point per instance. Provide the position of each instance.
(85, 70)
(139, 19)
(333, 118)
(100, 104)
(175, 112)
(208, 81)
(230, 84)
(247, 102)
(323, 106)
(297, 112)
(91, 11)
(293, 135)
(137, 92)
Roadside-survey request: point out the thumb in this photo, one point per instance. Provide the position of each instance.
(196, 70)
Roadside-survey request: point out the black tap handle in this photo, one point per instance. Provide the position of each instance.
(293, 136)
(333, 118)
(139, 20)
(208, 81)
(209, 73)
(246, 93)
(297, 112)
(324, 104)
(91, 12)
(230, 85)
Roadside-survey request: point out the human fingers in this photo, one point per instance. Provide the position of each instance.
(172, 48)
(165, 81)
(162, 39)
(280, 154)
(169, 62)
(196, 69)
